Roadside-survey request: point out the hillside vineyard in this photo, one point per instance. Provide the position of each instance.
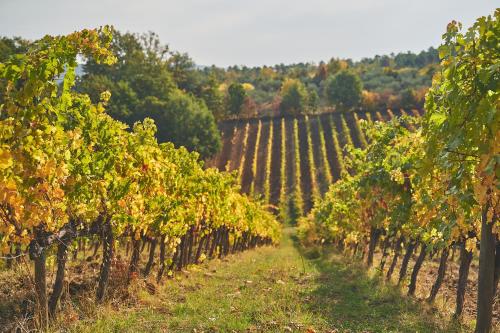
(267, 153)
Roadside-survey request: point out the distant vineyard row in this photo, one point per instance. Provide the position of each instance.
(267, 153)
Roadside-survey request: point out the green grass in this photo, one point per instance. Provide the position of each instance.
(271, 290)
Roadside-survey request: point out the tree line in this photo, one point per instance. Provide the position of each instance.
(151, 80)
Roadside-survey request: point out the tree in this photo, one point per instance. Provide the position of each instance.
(294, 97)
(146, 83)
(184, 121)
(336, 65)
(321, 73)
(409, 99)
(313, 99)
(214, 98)
(462, 131)
(11, 46)
(370, 100)
(236, 96)
(184, 72)
(344, 89)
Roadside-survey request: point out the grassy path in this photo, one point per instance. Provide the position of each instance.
(271, 290)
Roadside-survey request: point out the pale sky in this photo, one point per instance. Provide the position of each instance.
(254, 32)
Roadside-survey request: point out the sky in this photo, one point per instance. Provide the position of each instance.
(255, 32)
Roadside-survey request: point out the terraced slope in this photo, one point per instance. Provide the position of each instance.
(258, 154)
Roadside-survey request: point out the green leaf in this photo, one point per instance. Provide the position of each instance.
(437, 118)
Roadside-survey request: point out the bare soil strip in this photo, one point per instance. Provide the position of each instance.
(236, 147)
(275, 180)
(318, 159)
(247, 174)
(260, 176)
(330, 149)
(227, 137)
(305, 172)
(290, 156)
(397, 113)
(351, 123)
(338, 127)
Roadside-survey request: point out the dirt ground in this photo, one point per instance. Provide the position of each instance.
(446, 299)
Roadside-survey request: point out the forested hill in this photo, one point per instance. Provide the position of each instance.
(186, 100)
(389, 81)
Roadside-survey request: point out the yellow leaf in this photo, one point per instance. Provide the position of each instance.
(5, 159)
